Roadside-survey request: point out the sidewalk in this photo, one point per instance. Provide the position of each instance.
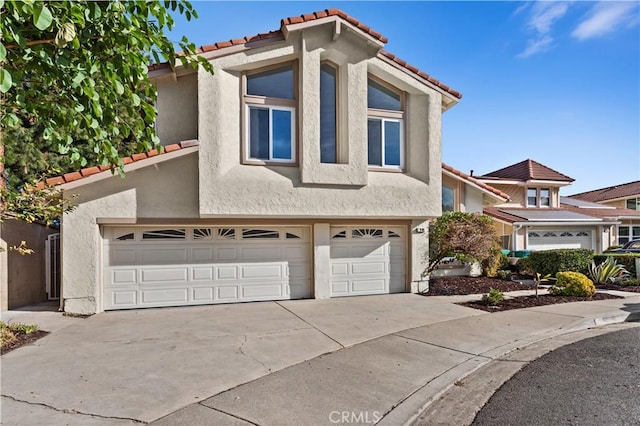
(390, 380)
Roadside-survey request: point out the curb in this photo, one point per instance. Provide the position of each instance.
(458, 394)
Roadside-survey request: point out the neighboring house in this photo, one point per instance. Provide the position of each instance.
(307, 166)
(536, 218)
(625, 196)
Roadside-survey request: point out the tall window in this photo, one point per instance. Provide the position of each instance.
(328, 114)
(271, 115)
(448, 199)
(385, 126)
(532, 197)
(545, 197)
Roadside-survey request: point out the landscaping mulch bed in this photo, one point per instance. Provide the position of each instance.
(629, 288)
(532, 301)
(21, 340)
(450, 286)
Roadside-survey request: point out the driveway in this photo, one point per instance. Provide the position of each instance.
(137, 366)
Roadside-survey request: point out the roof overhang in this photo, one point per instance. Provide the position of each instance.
(566, 223)
(484, 191)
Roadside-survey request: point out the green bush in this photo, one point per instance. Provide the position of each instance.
(493, 297)
(561, 260)
(496, 262)
(524, 266)
(629, 282)
(504, 274)
(572, 284)
(607, 272)
(628, 260)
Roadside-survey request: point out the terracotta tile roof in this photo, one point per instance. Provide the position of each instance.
(475, 181)
(500, 215)
(528, 170)
(277, 35)
(615, 192)
(613, 213)
(90, 171)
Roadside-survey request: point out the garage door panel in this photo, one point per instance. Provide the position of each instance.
(202, 254)
(368, 268)
(124, 298)
(296, 253)
(261, 271)
(124, 277)
(163, 255)
(169, 295)
(368, 286)
(164, 275)
(122, 256)
(340, 288)
(202, 274)
(367, 250)
(296, 270)
(339, 269)
(261, 253)
(202, 294)
(226, 272)
(299, 290)
(226, 254)
(339, 252)
(263, 292)
(227, 293)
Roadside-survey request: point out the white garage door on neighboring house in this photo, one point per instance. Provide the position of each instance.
(174, 266)
(368, 260)
(559, 239)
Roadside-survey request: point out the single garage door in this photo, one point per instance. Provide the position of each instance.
(368, 260)
(153, 267)
(559, 239)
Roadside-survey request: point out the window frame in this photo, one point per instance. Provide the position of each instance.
(265, 102)
(538, 197)
(337, 111)
(630, 236)
(391, 116)
(636, 202)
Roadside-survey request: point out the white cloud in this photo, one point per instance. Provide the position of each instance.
(537, 46)
(544, 15)
(606, 17)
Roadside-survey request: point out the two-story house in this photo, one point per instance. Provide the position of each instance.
(536, 217)
(307, 166)
(623, 196)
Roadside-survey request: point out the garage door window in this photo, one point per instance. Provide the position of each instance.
(164, 234)
(366, 233)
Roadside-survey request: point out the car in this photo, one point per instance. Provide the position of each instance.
(629, 247)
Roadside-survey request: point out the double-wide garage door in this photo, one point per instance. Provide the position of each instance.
(152, 267)
(551, 239)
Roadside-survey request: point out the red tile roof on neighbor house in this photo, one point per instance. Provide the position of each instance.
(624, 190)
(475, 181)
(277, 35)
(90, 171)
(527, 170)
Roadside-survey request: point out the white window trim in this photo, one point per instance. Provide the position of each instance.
(538, 203)
(271, 108)
(392, 119)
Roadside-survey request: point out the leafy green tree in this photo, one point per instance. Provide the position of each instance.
(74, 69)
(465, 236)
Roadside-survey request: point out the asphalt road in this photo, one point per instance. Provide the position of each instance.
(595, 381)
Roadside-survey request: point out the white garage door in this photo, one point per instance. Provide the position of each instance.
(152, 267)
(368, 260)
(559, 239)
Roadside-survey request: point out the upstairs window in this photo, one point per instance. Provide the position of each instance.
(448, 199)
(538, 197)
(328, 114)
(633, 203)
(385, 126)
(271, 115)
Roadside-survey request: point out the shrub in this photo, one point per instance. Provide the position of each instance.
(495, 263)
(607, 272)
(628, 260)
(504, 274)
(572, 284)
(630, 282)
(493, 297)
(524, 266)
(9, 332)
(561, 260)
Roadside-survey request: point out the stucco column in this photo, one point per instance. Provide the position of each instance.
(321, 260)
(419, 255)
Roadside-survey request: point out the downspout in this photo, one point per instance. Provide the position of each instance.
(514, 235)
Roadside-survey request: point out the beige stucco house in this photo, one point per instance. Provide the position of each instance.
(307, 166)
(623, 196)
(536, 217)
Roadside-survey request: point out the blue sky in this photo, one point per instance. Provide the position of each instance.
(557, 82)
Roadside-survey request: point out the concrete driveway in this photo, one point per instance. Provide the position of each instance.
(128, 367)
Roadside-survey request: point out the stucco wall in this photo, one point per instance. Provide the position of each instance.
(22, 278)
(177, 106)
(312, 189)
(472, 199)
(165, 190)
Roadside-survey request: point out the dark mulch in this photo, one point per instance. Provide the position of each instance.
(21, 340)
(448, 286)
(531, 301)
(630, 288)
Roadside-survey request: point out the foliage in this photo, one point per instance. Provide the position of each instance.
(466, 236)
(9, 332)
(74, 75)
(504, 274)
(493, 298)
(628, 260)
(629, 282)
(33, 204)
(607, 272)
(541, 279)
(572, 284)
(524, 266)
(561, 260)
(613, 247)
(495, 262)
